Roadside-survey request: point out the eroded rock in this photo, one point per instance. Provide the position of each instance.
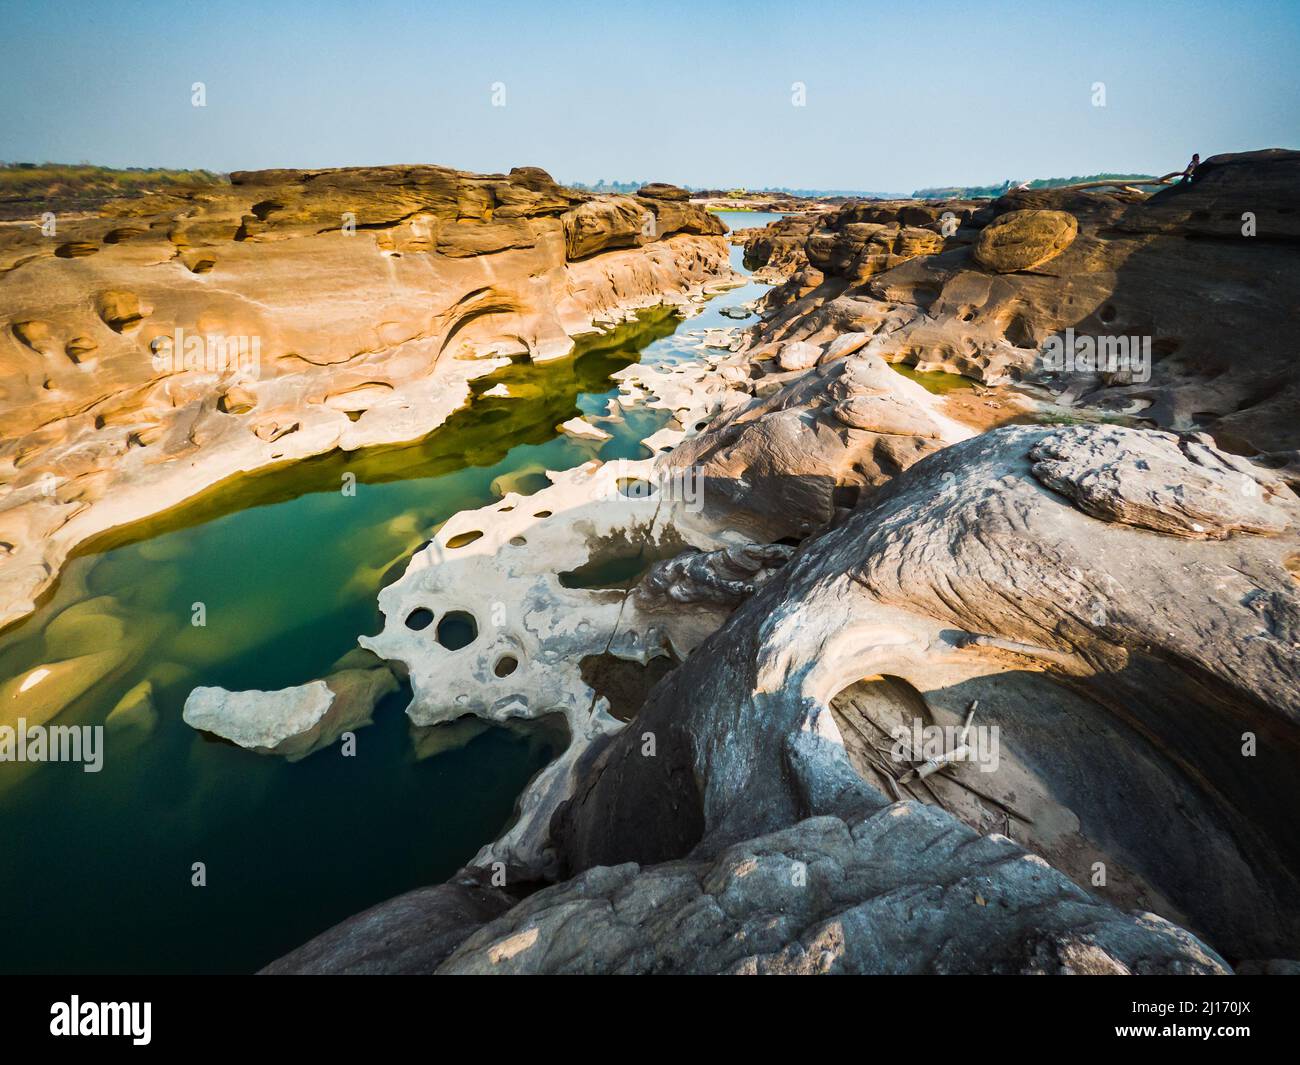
(903, 890)
(291, 722)
(1145, 479)
(1120, 664)
(726, 576)
(217, 352)
(1021, 240)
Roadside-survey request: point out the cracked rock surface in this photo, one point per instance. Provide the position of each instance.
(902, 890)
(1121, 665)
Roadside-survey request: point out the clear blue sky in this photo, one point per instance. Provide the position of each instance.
(898, 96)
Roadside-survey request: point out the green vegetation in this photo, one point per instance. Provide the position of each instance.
(33, 188)
(976, 192)
(603, 186)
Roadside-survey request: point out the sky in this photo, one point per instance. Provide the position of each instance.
(896, 96)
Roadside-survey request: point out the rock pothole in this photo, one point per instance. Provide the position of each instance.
(457, 629)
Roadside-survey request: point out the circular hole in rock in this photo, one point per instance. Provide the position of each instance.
(517, 541)
(461, 539)
(542, 514)
(419, 618)
(635, 487)
(1107, 313)
(506, 665)
(457, 629)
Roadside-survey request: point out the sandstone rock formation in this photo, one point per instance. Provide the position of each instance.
(861, 238)
(1120, 664)
(785, 462)
(1019, 240)
(725, 576)
(413, 933)
(1195, 281)
(776, 251)
(187, 336)
(1114, 608)
(496, 616)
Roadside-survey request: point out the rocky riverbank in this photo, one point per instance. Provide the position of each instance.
(177, 339)
(1100, 562)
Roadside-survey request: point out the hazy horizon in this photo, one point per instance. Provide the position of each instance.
(893, 100)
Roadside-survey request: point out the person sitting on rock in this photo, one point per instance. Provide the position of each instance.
(1189, 175)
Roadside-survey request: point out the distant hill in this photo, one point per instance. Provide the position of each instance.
(976, 192)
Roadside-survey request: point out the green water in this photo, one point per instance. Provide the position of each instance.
(95, 868)
(936, 382)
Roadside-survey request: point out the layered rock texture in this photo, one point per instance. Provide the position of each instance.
(898, 891)
(180, 338)
(1123, 666)
(1124, 636)
(1193, 285)
(858, 239)
(1103, 619)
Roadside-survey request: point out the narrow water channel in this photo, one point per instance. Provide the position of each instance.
(96, 868)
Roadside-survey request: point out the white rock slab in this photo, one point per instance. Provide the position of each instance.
(583, 430)
(258, 720)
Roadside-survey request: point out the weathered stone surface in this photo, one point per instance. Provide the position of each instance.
(1121, 665)
(507, 572)
(858, 238)
(291, 722)
(610, 222)
(902, 890)
(1148, 480)
(261, 721)
(1021, 240)
(1121, 604)
(582, 430)
(784, 462)
(798, 356)
(1131, 274)
(360, 303)
(725, 576)
(658, 190)
(776, 251)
